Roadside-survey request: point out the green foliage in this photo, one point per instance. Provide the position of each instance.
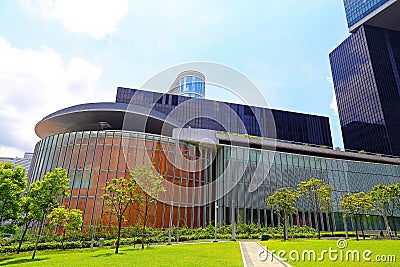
(70, 220)
(149, 186)
(241, 135)
(149, 182)
(143, 188)
(129, 236)
(12, 186)
(120, 196)
(386, 200)
(283, 201)
(319, 193)
(46, 195)
(356, 205)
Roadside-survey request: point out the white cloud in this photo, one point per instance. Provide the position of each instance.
(34, 84)
(333, 104)
(95, 17)
(11, 152)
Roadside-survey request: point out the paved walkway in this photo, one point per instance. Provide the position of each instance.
(254, 254)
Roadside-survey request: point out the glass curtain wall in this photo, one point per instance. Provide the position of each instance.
(272, 170)
(93, 158)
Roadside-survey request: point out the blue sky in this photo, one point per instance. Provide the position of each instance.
(64, 52)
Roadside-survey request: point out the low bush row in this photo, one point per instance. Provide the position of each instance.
(132, 235)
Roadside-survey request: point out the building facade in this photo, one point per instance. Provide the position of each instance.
(93, 158)
(202, 168)
(230, 117)
(378, 13)
(365, 70)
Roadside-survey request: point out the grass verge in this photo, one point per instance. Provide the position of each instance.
(382, 252)
(202, 254)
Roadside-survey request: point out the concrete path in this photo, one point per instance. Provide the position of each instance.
(254, 254)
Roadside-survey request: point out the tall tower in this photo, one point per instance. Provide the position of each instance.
(189, 83)
(365, 70)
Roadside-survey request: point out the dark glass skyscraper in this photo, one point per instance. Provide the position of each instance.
(365, 69)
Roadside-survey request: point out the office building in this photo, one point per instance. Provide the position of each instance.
(365, 70)
(207, 160)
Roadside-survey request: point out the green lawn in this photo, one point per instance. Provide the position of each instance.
(377, 247)
(205, 254)
(209, 254)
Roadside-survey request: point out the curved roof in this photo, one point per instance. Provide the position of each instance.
(106, 116)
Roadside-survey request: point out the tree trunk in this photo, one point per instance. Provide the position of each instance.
(319, 225)
(285, 227)
(144, 224)
(22, 237)
(317, 213)
(355, 219)
(385, 219)
(394, 225)
(38, 235)
(331, 221)
(119, 234)
(362, 226)
(62, 238)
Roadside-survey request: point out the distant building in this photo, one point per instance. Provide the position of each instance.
(189, 83)
(25, 162)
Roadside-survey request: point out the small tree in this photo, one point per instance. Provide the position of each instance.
(73, 222)
(319, 193)
(394, 192)
(283, 202)
(70, 220)
(121, 194)
(385, 201)
(150, 185)
(356, 205)
(48, 194)
(12, 186)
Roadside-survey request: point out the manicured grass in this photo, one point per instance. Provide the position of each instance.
(377, 247)
(202, 254)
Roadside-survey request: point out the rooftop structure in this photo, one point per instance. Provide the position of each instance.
(189, 83)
